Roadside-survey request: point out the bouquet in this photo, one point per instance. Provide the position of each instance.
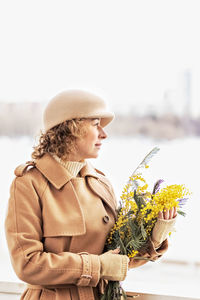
(137, 215)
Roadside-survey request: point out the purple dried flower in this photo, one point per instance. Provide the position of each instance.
(157, 186)
(182, 201)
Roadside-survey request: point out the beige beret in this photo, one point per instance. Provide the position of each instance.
(72, 104)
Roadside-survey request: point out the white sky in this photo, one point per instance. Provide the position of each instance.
(128, 51)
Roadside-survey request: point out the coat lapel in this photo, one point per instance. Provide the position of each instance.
(53, 170)
(59, 176)
(100, 186)
(65, 212)
(103, 191)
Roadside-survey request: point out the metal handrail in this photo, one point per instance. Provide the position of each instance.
(16, 288)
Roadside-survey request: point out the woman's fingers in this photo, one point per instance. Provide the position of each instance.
(166, 214)
(175, 212)
(115, 251)
(169, 213)
(160, 215)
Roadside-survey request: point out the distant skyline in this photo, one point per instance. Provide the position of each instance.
(131, 52)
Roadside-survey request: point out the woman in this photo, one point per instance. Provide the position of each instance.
(61, 208)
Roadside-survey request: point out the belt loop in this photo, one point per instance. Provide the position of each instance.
(86, 270)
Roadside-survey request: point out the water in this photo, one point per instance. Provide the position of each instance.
(177, 162)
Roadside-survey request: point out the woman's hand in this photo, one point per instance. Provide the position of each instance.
(113, 266)
(167, 214)
(116, 251)
(160, 232)
(163, 226)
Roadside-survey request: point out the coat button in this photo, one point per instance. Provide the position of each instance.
(106, 219)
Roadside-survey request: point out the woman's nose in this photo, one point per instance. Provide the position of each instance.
(102, 134)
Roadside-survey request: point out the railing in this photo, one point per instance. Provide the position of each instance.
(13, 290)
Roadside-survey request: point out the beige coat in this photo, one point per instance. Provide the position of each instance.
(56, 229)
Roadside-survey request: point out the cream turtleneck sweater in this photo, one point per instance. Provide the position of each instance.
(73, 167)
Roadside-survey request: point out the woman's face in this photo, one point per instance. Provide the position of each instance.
(89, 145)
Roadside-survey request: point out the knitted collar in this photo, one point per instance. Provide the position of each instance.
(73, 167)
(59, 175)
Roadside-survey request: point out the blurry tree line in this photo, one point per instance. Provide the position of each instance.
(25, 119)
(166, 126)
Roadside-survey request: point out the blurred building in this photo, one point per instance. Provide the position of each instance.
(179, 100)
(186, 92)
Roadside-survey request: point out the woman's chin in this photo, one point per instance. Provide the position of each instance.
(95, 155)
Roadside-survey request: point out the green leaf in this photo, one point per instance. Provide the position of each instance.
(124, 294)
(135, 229)
(142, 258)
(143, 232)
(122, 247)
(139, 200)
(136, 243)
(180, 212)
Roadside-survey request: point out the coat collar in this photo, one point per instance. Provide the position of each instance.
(57, 174)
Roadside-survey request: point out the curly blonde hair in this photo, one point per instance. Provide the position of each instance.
(61, 139)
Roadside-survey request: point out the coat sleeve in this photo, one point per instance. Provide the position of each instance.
(23, 226)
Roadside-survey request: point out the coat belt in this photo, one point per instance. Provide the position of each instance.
(85, 293)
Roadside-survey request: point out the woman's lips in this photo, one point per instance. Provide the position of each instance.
(98, 145)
